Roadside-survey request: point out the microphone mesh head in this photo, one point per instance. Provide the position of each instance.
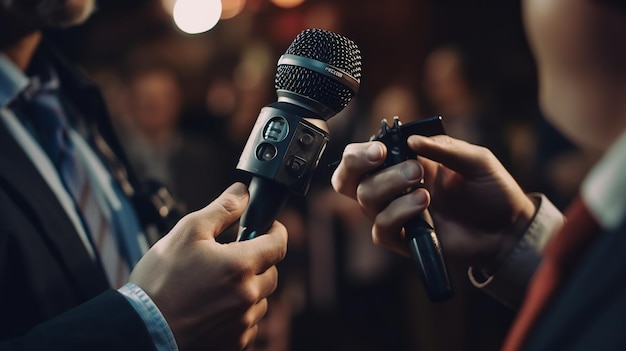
(327, 47)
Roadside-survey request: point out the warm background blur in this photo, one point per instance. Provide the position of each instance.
(185, 104)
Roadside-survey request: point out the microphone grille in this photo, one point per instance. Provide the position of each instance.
(327, 47)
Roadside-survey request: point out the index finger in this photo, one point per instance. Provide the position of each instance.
(265, 251)
(356, 161)
(468, 159)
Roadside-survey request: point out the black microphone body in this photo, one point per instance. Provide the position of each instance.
(316, 78)
(295, 149)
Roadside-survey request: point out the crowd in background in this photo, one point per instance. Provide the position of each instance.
(184, 106)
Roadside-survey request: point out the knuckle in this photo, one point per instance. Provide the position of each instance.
(230, 203)
(378, 236)
(351, 156)
(236, 271)
(364, 196)
(381, 224)
(486, 155)
(249, 294)
(336, 181)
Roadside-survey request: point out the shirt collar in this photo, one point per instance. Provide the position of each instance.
(604, 188)
(12, 80)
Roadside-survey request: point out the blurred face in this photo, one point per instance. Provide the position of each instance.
(445, 84)
(155, 101)
(21, 17)
(441, 75)
(581, 59)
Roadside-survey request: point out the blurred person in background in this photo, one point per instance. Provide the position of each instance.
(192, 165)
(563, 272)
(155, 108)
(455, 88)
(76, 268)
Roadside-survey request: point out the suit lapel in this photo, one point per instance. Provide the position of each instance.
(590, 310)
(18, 171)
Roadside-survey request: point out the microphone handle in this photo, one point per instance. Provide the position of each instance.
(267, 199)
(427, 254)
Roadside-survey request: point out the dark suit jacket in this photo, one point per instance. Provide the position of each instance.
(589, 313)
(45, 270)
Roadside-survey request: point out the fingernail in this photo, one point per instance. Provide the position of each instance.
(374, 152)
(419, 197)
(238, 189)
(410, 171)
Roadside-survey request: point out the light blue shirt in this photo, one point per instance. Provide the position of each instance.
(12, 82)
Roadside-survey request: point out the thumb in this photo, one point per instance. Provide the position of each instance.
(225, 210)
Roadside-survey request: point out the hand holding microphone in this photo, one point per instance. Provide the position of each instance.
(316, 78)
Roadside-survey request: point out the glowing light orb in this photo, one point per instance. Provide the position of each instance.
(231, 8)
(197, 16)
(287, 3)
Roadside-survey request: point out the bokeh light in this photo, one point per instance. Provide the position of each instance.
(287, 3)
(168, 6)
(231, 8)
(197, 16)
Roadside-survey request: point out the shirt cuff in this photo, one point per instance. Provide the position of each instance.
(155, 322)
(508, 284)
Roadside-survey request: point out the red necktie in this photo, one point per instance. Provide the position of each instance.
(560, 257)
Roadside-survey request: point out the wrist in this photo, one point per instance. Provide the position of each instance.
(511, 235)
(507, 281)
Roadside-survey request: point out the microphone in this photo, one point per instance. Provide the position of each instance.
(316, 78)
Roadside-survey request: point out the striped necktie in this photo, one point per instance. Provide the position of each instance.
(52, 130)
(560, 258)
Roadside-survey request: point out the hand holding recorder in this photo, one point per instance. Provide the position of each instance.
(419, 231)
(477, 208)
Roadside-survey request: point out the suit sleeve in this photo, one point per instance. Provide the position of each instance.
(107, 322)
(508, 284)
